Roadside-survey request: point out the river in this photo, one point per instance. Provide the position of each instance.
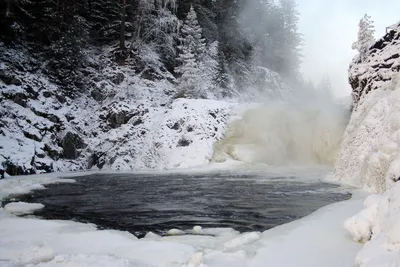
(157, 202)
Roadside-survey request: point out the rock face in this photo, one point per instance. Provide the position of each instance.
(370, 152)
(71, 143)
(382, 63)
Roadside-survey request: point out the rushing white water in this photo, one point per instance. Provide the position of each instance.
(282, 133)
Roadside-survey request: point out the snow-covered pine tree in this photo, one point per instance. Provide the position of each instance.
(157, 25)
(191, 33)
(191, 51)
(189, 80)
(209, 70)
(291, 40)
(365, 36)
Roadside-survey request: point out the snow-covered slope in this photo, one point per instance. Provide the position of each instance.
(179, 134)
(124, 120)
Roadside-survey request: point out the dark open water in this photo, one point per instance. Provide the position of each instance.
(139, 203)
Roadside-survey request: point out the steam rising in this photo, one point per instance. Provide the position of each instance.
(285, 133)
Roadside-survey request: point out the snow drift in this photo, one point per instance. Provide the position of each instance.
(281, 133)
(378, 226)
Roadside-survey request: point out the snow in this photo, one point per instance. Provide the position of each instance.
(370, 153)
(377, 226)
(128, 126)
(21, 208)
(370, 149)
(376, 67)
(315, 240)
(178, 135)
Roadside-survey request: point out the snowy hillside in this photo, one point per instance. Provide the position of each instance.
(125, 123)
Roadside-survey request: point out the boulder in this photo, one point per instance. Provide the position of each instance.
(70, 144)
(97, 159)
(9, 79)
(97, 95)
(116, 119)
(118, 78)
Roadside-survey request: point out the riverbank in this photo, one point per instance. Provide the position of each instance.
(315, 240)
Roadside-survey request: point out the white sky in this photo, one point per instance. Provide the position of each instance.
(329, 28)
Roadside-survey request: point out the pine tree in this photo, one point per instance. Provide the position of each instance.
(191, 51)
(365, 36)
(222, 74)
(291, 41)
(189, 80)
(192, 35)
(209, 70)
(158, 26)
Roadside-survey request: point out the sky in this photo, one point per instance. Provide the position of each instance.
(330, 27)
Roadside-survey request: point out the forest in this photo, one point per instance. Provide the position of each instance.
(222, 42)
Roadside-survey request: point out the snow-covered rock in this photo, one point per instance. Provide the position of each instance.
(377, 225)
(380, 65)
(371, 144)
(370, 152)
(122, 122)
(179, 134)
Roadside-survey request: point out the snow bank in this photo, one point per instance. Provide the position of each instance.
(370, 152)
(378, 226)
(43, 243)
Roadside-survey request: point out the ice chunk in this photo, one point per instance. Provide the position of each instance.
(21, 208)
(175, 232)
(197, 229)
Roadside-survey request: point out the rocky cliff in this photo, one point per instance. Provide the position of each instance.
(370, 152)
(380, 65)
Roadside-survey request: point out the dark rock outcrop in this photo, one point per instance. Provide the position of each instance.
(97, 159)
(116, 119)
(380, 66)
(71, 143)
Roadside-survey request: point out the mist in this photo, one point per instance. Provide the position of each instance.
(294, 122)
(330, 27)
